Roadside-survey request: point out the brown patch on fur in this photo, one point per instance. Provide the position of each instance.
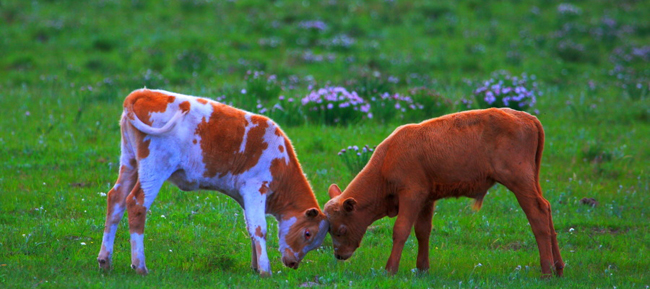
(136, 210)
(264, 188)
(111, 199)
(194, 141)
(184, 106)
(143, 145)
(113, 196)
(255, 144)
(202, 100)
(288, 183)
(144, 102)
(291, 197)
(222, 136)
(258, 232)
(278, 132)
(281, 148)
(258, 248)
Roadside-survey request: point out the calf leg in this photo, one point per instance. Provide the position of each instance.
(538, 212)
(116, 204)
(254, 256)
(557, 259)
(422, 233)
(254, 211)
(408, 213)
(138, 202)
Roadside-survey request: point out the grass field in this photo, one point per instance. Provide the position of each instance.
(66, 66)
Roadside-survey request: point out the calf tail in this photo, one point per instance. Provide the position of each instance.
(478, 203)
(145, 128)
(540, 149)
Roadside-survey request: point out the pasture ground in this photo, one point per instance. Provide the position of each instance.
(65, 67)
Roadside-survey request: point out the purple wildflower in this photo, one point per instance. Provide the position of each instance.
(313, 24)
(489, 97)
(568, 9)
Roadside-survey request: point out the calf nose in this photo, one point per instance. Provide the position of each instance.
(292, 264)
(342, 256)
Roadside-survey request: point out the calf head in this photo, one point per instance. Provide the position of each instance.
(301, 233)
(348, 224)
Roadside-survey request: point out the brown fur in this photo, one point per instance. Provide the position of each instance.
(287, 178)
(221, 137)
(461, 154)
(137, 211)
(145, 102)
(184, 106)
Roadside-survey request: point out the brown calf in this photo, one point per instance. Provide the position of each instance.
(461, 154)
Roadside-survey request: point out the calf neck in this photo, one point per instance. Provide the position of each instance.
(461, 154)
(197, 143)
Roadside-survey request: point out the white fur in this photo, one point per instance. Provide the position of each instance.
(109, 239)
(249, 125)
(137, 251)
(141, 126)
(283, 229)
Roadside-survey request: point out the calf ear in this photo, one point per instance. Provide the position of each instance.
(311, 213)
(348, 204)
(334, 191)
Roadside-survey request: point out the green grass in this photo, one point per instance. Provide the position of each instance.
(65, 67)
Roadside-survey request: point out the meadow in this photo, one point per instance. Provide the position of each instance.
(334, 74)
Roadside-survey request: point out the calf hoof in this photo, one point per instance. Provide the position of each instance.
(141, 271)
(422, 271)
(265, 274)
(391, 271)
(104, 264)
(559, 272)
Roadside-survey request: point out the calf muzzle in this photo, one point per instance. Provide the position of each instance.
(290, 262)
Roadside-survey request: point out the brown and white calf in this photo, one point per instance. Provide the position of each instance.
(461, 154)
(197, 143)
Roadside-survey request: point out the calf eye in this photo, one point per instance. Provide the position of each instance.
(307, 234)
